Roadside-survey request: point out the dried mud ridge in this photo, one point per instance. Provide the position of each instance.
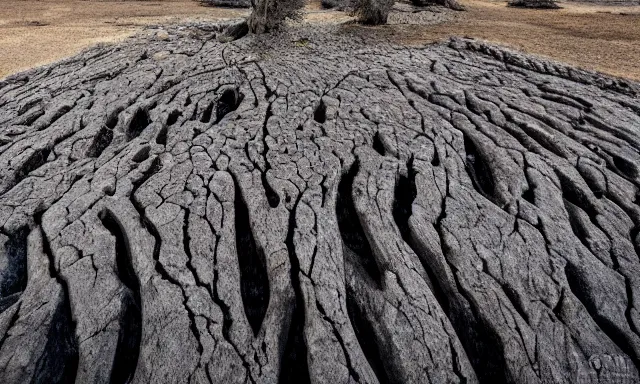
(310, 208)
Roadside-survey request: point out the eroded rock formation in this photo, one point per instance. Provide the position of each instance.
(265, 211)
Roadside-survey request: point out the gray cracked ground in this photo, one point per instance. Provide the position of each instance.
(315, 207)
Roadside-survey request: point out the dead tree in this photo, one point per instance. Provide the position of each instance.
(268, 15)
(372, 12)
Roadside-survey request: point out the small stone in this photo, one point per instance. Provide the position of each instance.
(162, 35)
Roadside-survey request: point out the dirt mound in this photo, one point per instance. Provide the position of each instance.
(314, 207)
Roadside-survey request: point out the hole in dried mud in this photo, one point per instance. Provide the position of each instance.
(112, 120)
(100, 142)
(142, 154)
(161, 138)
(173, 117)
(320, 114)
(139, 122)
(228, 101)
(478, 169)
(377, 144)
(272, 196)
(254, 280)
(13, 275)
(435, 161)
(206, 115)
(529, 195)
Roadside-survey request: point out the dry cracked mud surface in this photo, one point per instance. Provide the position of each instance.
(312, 207)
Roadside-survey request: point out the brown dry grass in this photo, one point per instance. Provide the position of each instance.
(36, 32)
(603, 38)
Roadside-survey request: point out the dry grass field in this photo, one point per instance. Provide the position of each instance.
(591, 36)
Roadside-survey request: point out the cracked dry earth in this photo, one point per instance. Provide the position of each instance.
(314, 207)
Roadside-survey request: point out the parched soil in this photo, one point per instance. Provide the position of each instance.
(603, 38)
(596, 37)
(308, 207)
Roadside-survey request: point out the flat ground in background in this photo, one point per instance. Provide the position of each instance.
(591, 36)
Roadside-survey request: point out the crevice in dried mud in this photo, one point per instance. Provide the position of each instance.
(159, 267)
(577, 196)
(154, 167)
(272, 196)
(577, 225)
(254, 280)
(8, 301)
(294, 368)
(367, 339)
(581, 291)
(59, 113)
(350, 228)
(130, 333)
(59, 360)
(404, 195)
(479, 340)
(36, 160)
(100, 142)
(625, 167)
